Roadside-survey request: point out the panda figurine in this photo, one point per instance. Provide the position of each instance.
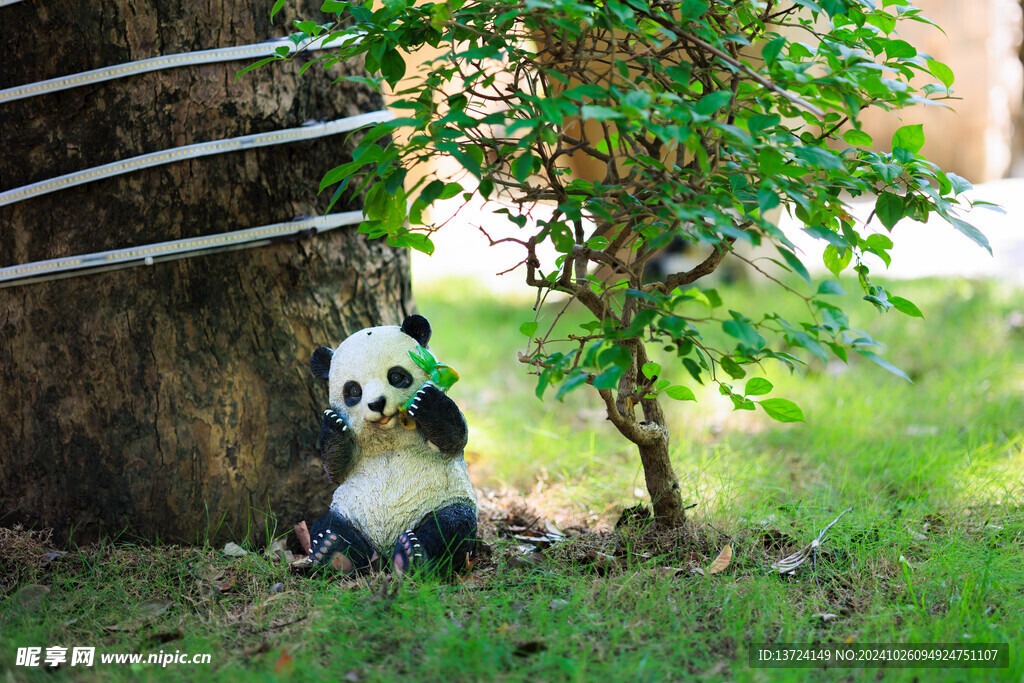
(403, 486)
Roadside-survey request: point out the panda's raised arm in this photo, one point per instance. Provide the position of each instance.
(337, 446)
(440, 420)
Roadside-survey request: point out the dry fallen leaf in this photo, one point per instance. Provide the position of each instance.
(284, 662)
(826, 616)
(302, 531)
(722, 561)
(234, 550)
(153, 608)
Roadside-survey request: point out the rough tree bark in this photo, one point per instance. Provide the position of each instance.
(171, 401)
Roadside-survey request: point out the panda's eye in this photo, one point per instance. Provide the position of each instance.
(399, 378)
(352, 393)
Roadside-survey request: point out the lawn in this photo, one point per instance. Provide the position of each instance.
(931, 552)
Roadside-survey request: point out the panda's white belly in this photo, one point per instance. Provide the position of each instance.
(390, 492)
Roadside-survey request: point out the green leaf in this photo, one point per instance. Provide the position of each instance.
(392, 67)
(522, 167)
(734, 369)
(450, 190)
(278, 4)
(760, 122)
(836, 259)
(651, 370)
(333, 7)
(256, 65)
(528, 328)
(782, 410)
(823, 233)
(941, 72)
(771, 50)
(831, 287)
(745, 332)
(967, 229)
(599, 113)
(412, 240)
(881, 362)
(712, 102)
(609, 379)
(795, 263)
(570, 384)
(858, 137)
(906, 306)
(900, 49)
(889, 209)
(758, 386)
(910, 138)
(680, 393)
(958, 183)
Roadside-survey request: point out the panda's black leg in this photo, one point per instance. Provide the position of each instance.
(335, 543)
(441, 542)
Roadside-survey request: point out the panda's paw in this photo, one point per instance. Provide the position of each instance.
(440, 419)
(423, 402)
(325, 550)
(336, 445)
(334, 421)
(408, 553)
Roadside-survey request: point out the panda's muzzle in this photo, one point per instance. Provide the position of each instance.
(377, 405)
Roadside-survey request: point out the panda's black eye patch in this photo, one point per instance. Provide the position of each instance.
(352, 393)
(399, 378)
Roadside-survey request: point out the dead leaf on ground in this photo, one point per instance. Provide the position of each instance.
(208, 573)
(302, 531)
(826, 616)
(721, 562)
(152, 608)
(232, 549)
(303, 566)
(53, 555)
(284, 662)
(279, 549)
(527, 560)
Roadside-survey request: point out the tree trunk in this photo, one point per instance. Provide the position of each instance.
(172, 401)
(661, 480)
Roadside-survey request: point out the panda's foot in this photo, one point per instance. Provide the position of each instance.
(408, 553)
(325, 551)
(336, 545)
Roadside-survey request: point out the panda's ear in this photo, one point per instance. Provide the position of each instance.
(320, 364)
(417, 327)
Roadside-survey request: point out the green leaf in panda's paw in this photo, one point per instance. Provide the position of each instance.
(422, 357)
(441, 375)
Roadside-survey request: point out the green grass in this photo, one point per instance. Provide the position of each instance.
(933, 470)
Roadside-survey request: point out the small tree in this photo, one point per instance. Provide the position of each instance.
(705, 116)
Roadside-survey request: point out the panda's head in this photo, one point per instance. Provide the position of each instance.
(370, 375)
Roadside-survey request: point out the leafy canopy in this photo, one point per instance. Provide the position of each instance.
(707, 118)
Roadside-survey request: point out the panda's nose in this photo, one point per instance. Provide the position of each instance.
(377, 405)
